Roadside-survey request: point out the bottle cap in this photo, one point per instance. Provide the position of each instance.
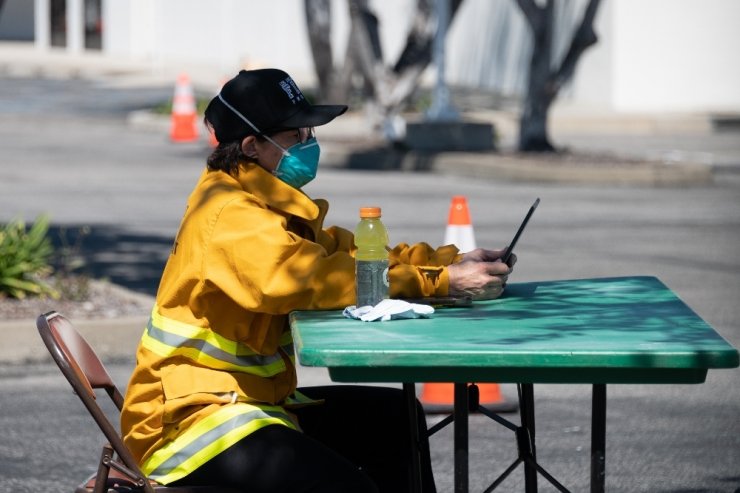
(369, 212)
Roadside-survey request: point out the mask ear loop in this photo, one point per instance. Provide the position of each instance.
(246, 120)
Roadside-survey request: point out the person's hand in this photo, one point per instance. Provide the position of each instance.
(483, 255)
(479, 279)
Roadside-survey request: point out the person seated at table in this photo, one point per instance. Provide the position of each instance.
(213, 397)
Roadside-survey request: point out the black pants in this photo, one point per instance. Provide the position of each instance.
(357, 441)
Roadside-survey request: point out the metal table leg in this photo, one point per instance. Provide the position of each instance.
(526, 403)
(598, 438)
(461, 437)
(409, 392)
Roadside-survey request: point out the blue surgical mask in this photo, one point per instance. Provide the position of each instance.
(299, 163)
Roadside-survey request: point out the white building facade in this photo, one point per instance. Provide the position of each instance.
(654, 56)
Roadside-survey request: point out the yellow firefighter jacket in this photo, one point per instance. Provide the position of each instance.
(216, 362)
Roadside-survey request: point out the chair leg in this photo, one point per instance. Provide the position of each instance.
(107, 461)
(101, 479)
(140, 481)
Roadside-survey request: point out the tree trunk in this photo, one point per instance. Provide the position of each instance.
(367, 52)
(533, 120)
(544, 83)
(418, 48)
(318, 21)
(385, 89)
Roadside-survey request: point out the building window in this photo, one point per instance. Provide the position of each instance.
(93, 25)
(58, 22)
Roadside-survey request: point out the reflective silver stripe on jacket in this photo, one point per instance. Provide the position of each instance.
(168, 337)
(215, 434)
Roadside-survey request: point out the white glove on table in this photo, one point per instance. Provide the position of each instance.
(388, 310)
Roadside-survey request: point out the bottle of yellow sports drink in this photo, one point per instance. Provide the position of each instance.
(371, 258)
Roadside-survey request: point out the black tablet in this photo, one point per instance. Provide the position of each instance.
(510, 249)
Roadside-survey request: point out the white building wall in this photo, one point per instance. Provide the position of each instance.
(75, 26)
(488, 46)
(41, 24)
(676, 55)
(661, 55)
(593, 84)
(129, 29)
(230, 34)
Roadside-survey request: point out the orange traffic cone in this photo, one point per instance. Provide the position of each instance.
(439, 397)
(459, 226)
(184, 127)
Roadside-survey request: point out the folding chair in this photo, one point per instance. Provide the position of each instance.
(117, 471)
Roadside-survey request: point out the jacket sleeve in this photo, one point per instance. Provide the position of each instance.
(336, 239)
(256, 261)
(415, 271)
(419, 270)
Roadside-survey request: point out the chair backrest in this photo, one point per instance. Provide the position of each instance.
(85, 372)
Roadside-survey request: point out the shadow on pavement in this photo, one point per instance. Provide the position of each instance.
(129, 259)
(386, 158)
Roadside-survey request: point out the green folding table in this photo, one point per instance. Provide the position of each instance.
(586, 331)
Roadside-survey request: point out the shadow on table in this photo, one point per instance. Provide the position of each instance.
(618, 309)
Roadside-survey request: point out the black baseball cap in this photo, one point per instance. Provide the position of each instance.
(265, 101)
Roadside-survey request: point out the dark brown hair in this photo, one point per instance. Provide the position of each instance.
(227, 155)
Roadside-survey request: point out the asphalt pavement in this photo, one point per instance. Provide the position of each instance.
(75, 143)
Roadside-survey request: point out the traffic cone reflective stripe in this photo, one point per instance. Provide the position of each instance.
(184, 126)
(459, 212)
(459, 230)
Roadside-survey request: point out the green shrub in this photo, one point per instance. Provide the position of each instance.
(68, 281)
(24, 259)
(165, 108)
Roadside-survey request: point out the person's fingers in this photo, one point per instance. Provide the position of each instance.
(496, 268)
(492, 255)
(483, 255)
(512, 260)
(477, 255)
(496, 254)
(482, 280)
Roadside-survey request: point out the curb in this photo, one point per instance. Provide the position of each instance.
(355, 152)
(641, 173)
(611, 170)
(112, 339)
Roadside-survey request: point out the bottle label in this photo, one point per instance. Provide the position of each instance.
(372, 281)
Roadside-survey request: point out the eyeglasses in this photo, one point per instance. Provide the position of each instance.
(296, 136)
(300, 134)
(306, 133)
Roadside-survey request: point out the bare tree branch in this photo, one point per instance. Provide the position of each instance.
(583, 38)
(385, 89)
(531, 11)
(418, 48)
(318, 20)
(365, 45)
(544, 84)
